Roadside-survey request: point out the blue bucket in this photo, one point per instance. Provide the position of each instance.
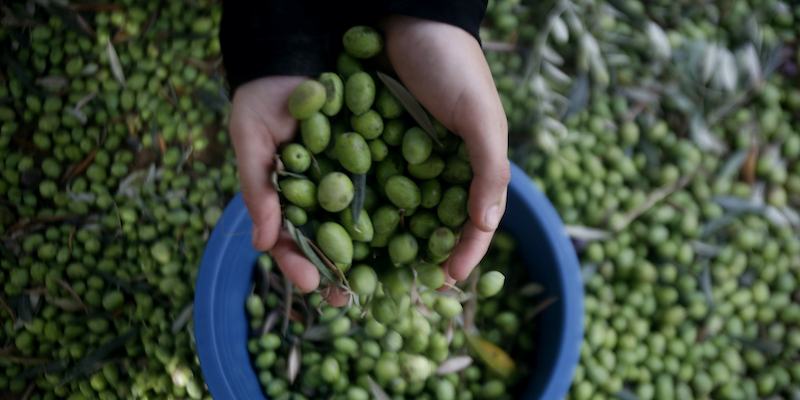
(226, 271)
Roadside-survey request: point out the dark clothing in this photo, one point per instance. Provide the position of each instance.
(304, 37)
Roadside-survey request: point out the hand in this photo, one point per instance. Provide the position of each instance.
(259, 123)
(443, 66)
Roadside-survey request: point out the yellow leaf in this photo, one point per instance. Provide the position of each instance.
(494, 357)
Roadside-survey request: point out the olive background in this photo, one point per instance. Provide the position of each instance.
(664, 132)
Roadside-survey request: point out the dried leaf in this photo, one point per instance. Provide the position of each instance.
(496, 360)
(86, 364)
(657, 195)
(85, 27)
(733, 165)
(586, 233)
(52, 81)
(293, 363)
(454, 364)
(539, 308)
(116, 67)
(78, 169)
(72, 293)
(183, 318)
(411, 105)
(376, 390)
(66, 304)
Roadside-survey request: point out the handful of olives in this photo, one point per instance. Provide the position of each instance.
(363, 181)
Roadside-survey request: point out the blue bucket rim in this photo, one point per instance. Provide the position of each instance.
(225, 381)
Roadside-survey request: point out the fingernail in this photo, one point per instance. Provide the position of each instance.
(493, 215)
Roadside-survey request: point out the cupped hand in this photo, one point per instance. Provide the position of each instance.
(259, 123)
(443, 66)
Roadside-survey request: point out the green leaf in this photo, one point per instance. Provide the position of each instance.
(116, 66)
(87, 363)
(312, 256)
(154, 137)
(376, 390)
(360, 185)
(411, 105)
(578, 96)
(626, 394)
(53, 367)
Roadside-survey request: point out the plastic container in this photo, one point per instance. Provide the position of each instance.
(221, 325)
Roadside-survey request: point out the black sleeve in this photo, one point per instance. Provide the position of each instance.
(303, 37)
(465, 14)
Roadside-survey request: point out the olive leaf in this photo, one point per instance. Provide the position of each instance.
(360, 186)
(293, 364)
(55, 82)
(116, 67)
(72, 293)
(705, 284)
(270, 322)
(411, 105)
(288, 297)
(8, 309)
(24, 312)
(52, 368)
(626, 394)
(326, 269)
(539, 308)
(496, 360)
(183, 318)
(85, 364)
(455, 364)
(704, 249)
(376, 390)
(586, 233)
(764, 345)
(578, 96)
(154, 138)
(292, 174)
(734, 164)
